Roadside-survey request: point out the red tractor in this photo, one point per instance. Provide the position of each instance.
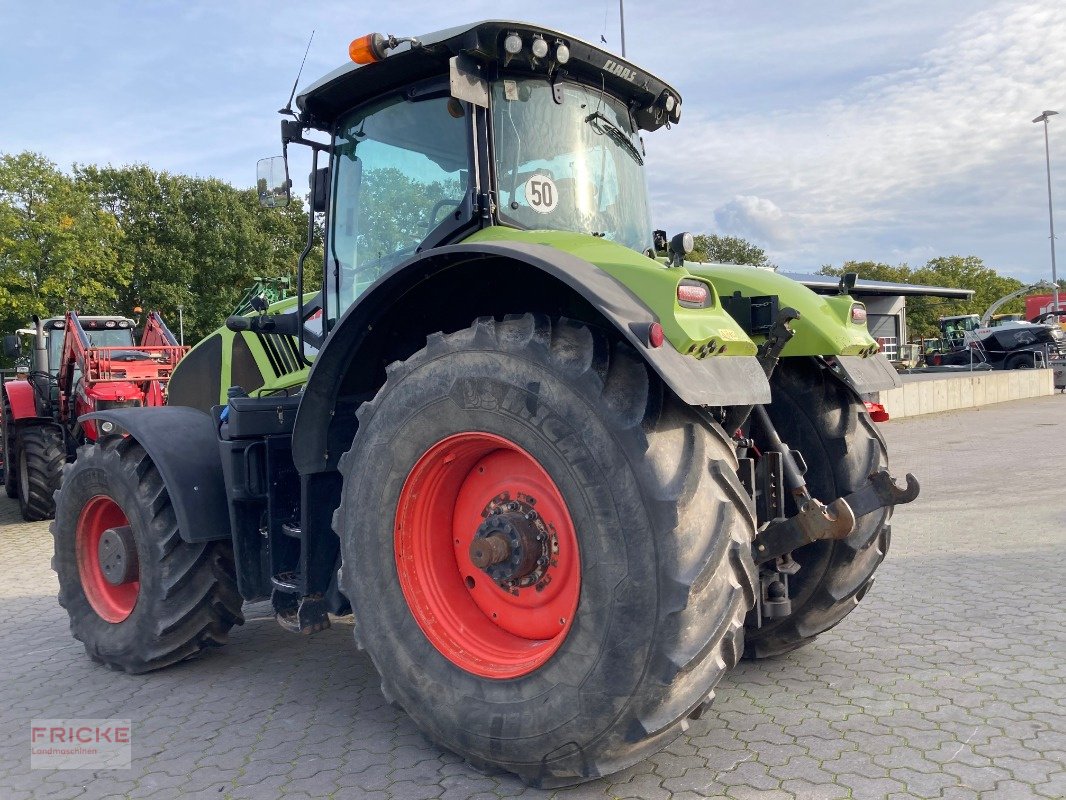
(78, 365)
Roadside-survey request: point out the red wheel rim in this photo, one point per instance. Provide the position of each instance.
(488, 628)
(112, 602)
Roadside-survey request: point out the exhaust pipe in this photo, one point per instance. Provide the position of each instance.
(40, 346)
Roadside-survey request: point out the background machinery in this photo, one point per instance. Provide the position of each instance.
(1003, 343)
(77, 365)
(539, 464)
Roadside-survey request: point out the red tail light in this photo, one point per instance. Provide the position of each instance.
(655, 335)
(693, 294)
(858, 313)
(877, 412)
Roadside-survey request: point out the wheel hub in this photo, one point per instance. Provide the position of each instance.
(492, 581)
(117, 554)
(512, 544)
(106, 550)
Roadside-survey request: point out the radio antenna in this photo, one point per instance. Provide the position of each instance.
(288, 106)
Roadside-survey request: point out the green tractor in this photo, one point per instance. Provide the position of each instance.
(538, 464)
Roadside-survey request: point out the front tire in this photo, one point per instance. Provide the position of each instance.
(146, 598)
(7, 440)
(40, 454)
(819, 416)
(652, 537)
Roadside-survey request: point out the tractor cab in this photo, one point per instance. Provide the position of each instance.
(959, 331)
(101, 332)
(496, 124)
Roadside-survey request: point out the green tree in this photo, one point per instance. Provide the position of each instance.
(728, 250)
(959, 272)
(58, 249)
(970, 272)
(193, 243)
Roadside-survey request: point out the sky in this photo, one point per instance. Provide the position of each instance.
(893, 131)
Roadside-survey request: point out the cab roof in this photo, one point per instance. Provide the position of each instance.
(429, 55)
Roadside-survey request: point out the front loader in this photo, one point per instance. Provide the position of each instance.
(540, 466)
(78, 365)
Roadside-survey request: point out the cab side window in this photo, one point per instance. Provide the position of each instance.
(400, 172)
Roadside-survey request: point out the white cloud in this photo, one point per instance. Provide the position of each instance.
(754, 218)
(947, 136)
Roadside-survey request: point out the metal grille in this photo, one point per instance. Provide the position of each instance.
(282, 352)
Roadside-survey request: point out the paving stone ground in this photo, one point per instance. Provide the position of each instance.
(948, 681)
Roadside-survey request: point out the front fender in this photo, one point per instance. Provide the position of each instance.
(21, 400)
(183, 446)
(714, 380)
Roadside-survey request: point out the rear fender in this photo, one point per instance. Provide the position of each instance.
(183, 446)
(346, 362)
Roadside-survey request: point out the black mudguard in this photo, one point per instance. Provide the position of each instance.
(720, 381)
(183, 446)
(864, 375)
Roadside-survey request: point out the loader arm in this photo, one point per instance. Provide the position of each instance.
(986, 318)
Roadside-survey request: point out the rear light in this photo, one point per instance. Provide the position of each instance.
(655, 335)
(877, 412)
(693, 294)
(858, 313)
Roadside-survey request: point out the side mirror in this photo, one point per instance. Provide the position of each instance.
(12, 346)
(272, 182)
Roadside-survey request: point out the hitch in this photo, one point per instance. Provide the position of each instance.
(769, 355)
(816, 521)
(882, 491)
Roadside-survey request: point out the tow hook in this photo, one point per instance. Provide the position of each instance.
(817, 521)
(882, 491)
(773, 600)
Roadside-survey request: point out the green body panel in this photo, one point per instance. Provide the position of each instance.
(699, 332)
(280, 371)
(824, 328)
(274, 383)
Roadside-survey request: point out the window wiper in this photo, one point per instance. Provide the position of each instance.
(601, 124)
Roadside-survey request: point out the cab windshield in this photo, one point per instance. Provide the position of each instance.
(108, 337)
(577, 165)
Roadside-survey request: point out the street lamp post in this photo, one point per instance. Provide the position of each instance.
(1051, 216)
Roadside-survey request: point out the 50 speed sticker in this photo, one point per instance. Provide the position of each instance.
(541, 194)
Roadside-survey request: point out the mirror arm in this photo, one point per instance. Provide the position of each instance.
(292, 132)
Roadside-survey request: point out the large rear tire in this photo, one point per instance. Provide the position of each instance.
(819, 416)
(144, 598)
(40, 454)
(645, 529)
